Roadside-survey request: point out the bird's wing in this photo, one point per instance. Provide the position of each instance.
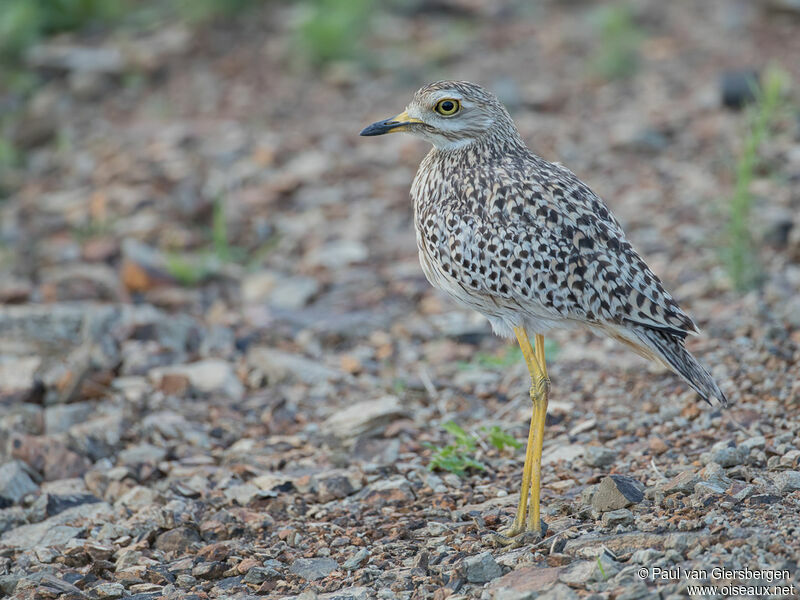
(546, 240)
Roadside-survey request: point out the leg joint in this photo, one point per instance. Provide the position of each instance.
(541, 387)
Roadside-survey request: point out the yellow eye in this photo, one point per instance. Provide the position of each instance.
(447, 107)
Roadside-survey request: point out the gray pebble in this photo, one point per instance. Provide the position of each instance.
(481, 568)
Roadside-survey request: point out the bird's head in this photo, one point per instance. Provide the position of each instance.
(449, 115)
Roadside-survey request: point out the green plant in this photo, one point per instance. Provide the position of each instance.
(600, 567)
(200, 11)
(511, 355)
(22, 22)
(618, 41)
(500, 439)
(455, 457)
(739, 252)
(190, 270)
(331, 30)
(219, 232)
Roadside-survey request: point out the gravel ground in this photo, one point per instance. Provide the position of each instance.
(251, 411)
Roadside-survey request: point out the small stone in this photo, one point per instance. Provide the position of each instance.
(790, 459)
(8, 583)
(336, 484)
(354, 562)
(245, 565)
(142, 454)
(127, 558)
(598, 456)
(787, 481)
(710, 487)
(60, 417)
(338, 253)
(50, 455)
(145, 588)
(243, 493)
(109, 590)
(658, 446)
(288, 293)
(647, 556)
(312, 569)
(137, 497)
(738, 87)
(621, 516)
(726, 455)
(46, 555)
(218, 552)
(281, 366)
(389, 491)
(435, 528)
(208, 376)
(566, 452)
(481, 568)
(258, 575)
(209, 570)
(524, 583)
(15, 483)
(98, 551)
(54, 531)
(185, 581)
(57, 503)
(617, 491)
(682, 483)
(559, 592)
(756, 442)
(367, 418)
(177, 540)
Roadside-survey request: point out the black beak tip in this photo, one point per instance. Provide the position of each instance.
(378, 128)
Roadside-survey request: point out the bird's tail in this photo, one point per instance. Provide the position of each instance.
(669, 349)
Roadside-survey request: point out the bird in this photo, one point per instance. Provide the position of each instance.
(531, 247)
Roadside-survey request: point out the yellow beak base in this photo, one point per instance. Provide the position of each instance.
(398, 123)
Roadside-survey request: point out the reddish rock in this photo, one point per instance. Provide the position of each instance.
(49, 455)
(247, 564)
(390, 491)
(215, 552)
(658, 446)
(521, 581)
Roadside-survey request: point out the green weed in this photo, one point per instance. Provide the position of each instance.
(219, 236)
(331, 30)
(457, 456)
(200, 11)
(500, 439)
(618, 41)
(22, 22)
(739, 251)
(191, 269)
(510, 356)
(600, 567)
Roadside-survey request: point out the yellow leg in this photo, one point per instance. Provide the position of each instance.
(532, 469)
(522, 508)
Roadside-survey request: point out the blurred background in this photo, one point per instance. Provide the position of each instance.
(192, 232)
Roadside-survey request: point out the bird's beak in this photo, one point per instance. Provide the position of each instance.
(398, 123)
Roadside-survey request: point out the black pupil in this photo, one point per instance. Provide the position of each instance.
(447, 106)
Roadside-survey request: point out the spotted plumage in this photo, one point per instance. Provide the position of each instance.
(526, 243)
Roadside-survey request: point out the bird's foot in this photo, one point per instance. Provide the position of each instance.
(519, 534)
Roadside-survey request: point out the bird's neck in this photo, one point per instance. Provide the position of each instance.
(493, 146)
